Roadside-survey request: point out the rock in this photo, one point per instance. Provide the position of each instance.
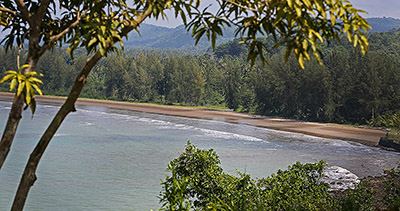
(389, 144)
(339, 179)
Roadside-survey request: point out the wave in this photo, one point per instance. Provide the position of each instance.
(61, 135)
(266, 133)
(227, 135)
(168, 125)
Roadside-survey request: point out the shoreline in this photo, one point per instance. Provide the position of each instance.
(369, 137)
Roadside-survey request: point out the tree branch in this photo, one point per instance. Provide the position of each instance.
(241, 6)
(3, 9)
(18, 55)
(26, 15)
(56, 37)
(41, 11)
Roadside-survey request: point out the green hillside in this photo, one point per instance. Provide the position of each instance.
(158, 37)
(384, 24)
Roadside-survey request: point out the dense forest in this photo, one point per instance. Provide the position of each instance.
(348, 88)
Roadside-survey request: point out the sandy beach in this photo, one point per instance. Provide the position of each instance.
(344, 132)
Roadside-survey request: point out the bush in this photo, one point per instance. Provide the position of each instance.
(198, 182)
(358, 199)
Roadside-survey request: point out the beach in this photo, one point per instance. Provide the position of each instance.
(365, 136)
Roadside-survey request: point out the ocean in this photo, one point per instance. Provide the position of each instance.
(110, 159)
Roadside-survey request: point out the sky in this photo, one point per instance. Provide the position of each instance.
(374, 8)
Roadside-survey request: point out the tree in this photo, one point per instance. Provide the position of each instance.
(97, 25)
(197, 182)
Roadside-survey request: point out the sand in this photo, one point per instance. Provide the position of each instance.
(365, 136)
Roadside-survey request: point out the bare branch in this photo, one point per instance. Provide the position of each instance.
(3, 9)
(18, 55)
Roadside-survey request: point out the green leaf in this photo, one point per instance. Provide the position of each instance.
(213, 40)
(32, 79)
(13, 84)
(92, 41)
(33, 106)
(36, 87)
(23, 67)
(10, 72)
(5, 78)
(28, 95)
(20, 88)
(102, 51)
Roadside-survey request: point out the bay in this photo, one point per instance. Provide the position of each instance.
(110, 159)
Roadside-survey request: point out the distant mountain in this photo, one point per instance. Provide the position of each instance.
(157, 37)
(383, 24)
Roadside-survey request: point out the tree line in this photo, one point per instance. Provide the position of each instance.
(348, 88)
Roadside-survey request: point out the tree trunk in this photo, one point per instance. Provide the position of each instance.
(11, 127)
(14, 117)
(29, 175)
(34, 53)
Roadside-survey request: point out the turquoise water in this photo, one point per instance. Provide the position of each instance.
(109, 159)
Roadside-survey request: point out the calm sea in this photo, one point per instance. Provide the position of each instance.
(109, 159)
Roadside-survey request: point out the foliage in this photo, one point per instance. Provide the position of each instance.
(197, 180)
(388, 120)
(199, 171)
(392, 197)
(319, 19)
(358, 199)
(27, 84)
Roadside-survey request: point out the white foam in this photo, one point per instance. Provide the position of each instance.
(314, 139)
(61, 135)
(161, 124)
(227, 135)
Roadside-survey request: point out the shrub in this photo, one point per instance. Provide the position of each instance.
(198, 182)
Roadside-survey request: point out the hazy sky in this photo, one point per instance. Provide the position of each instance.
(374, 8)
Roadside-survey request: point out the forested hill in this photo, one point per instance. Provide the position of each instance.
(157, 37)
(383, 24)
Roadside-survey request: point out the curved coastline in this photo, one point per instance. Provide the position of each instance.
(364, 136)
